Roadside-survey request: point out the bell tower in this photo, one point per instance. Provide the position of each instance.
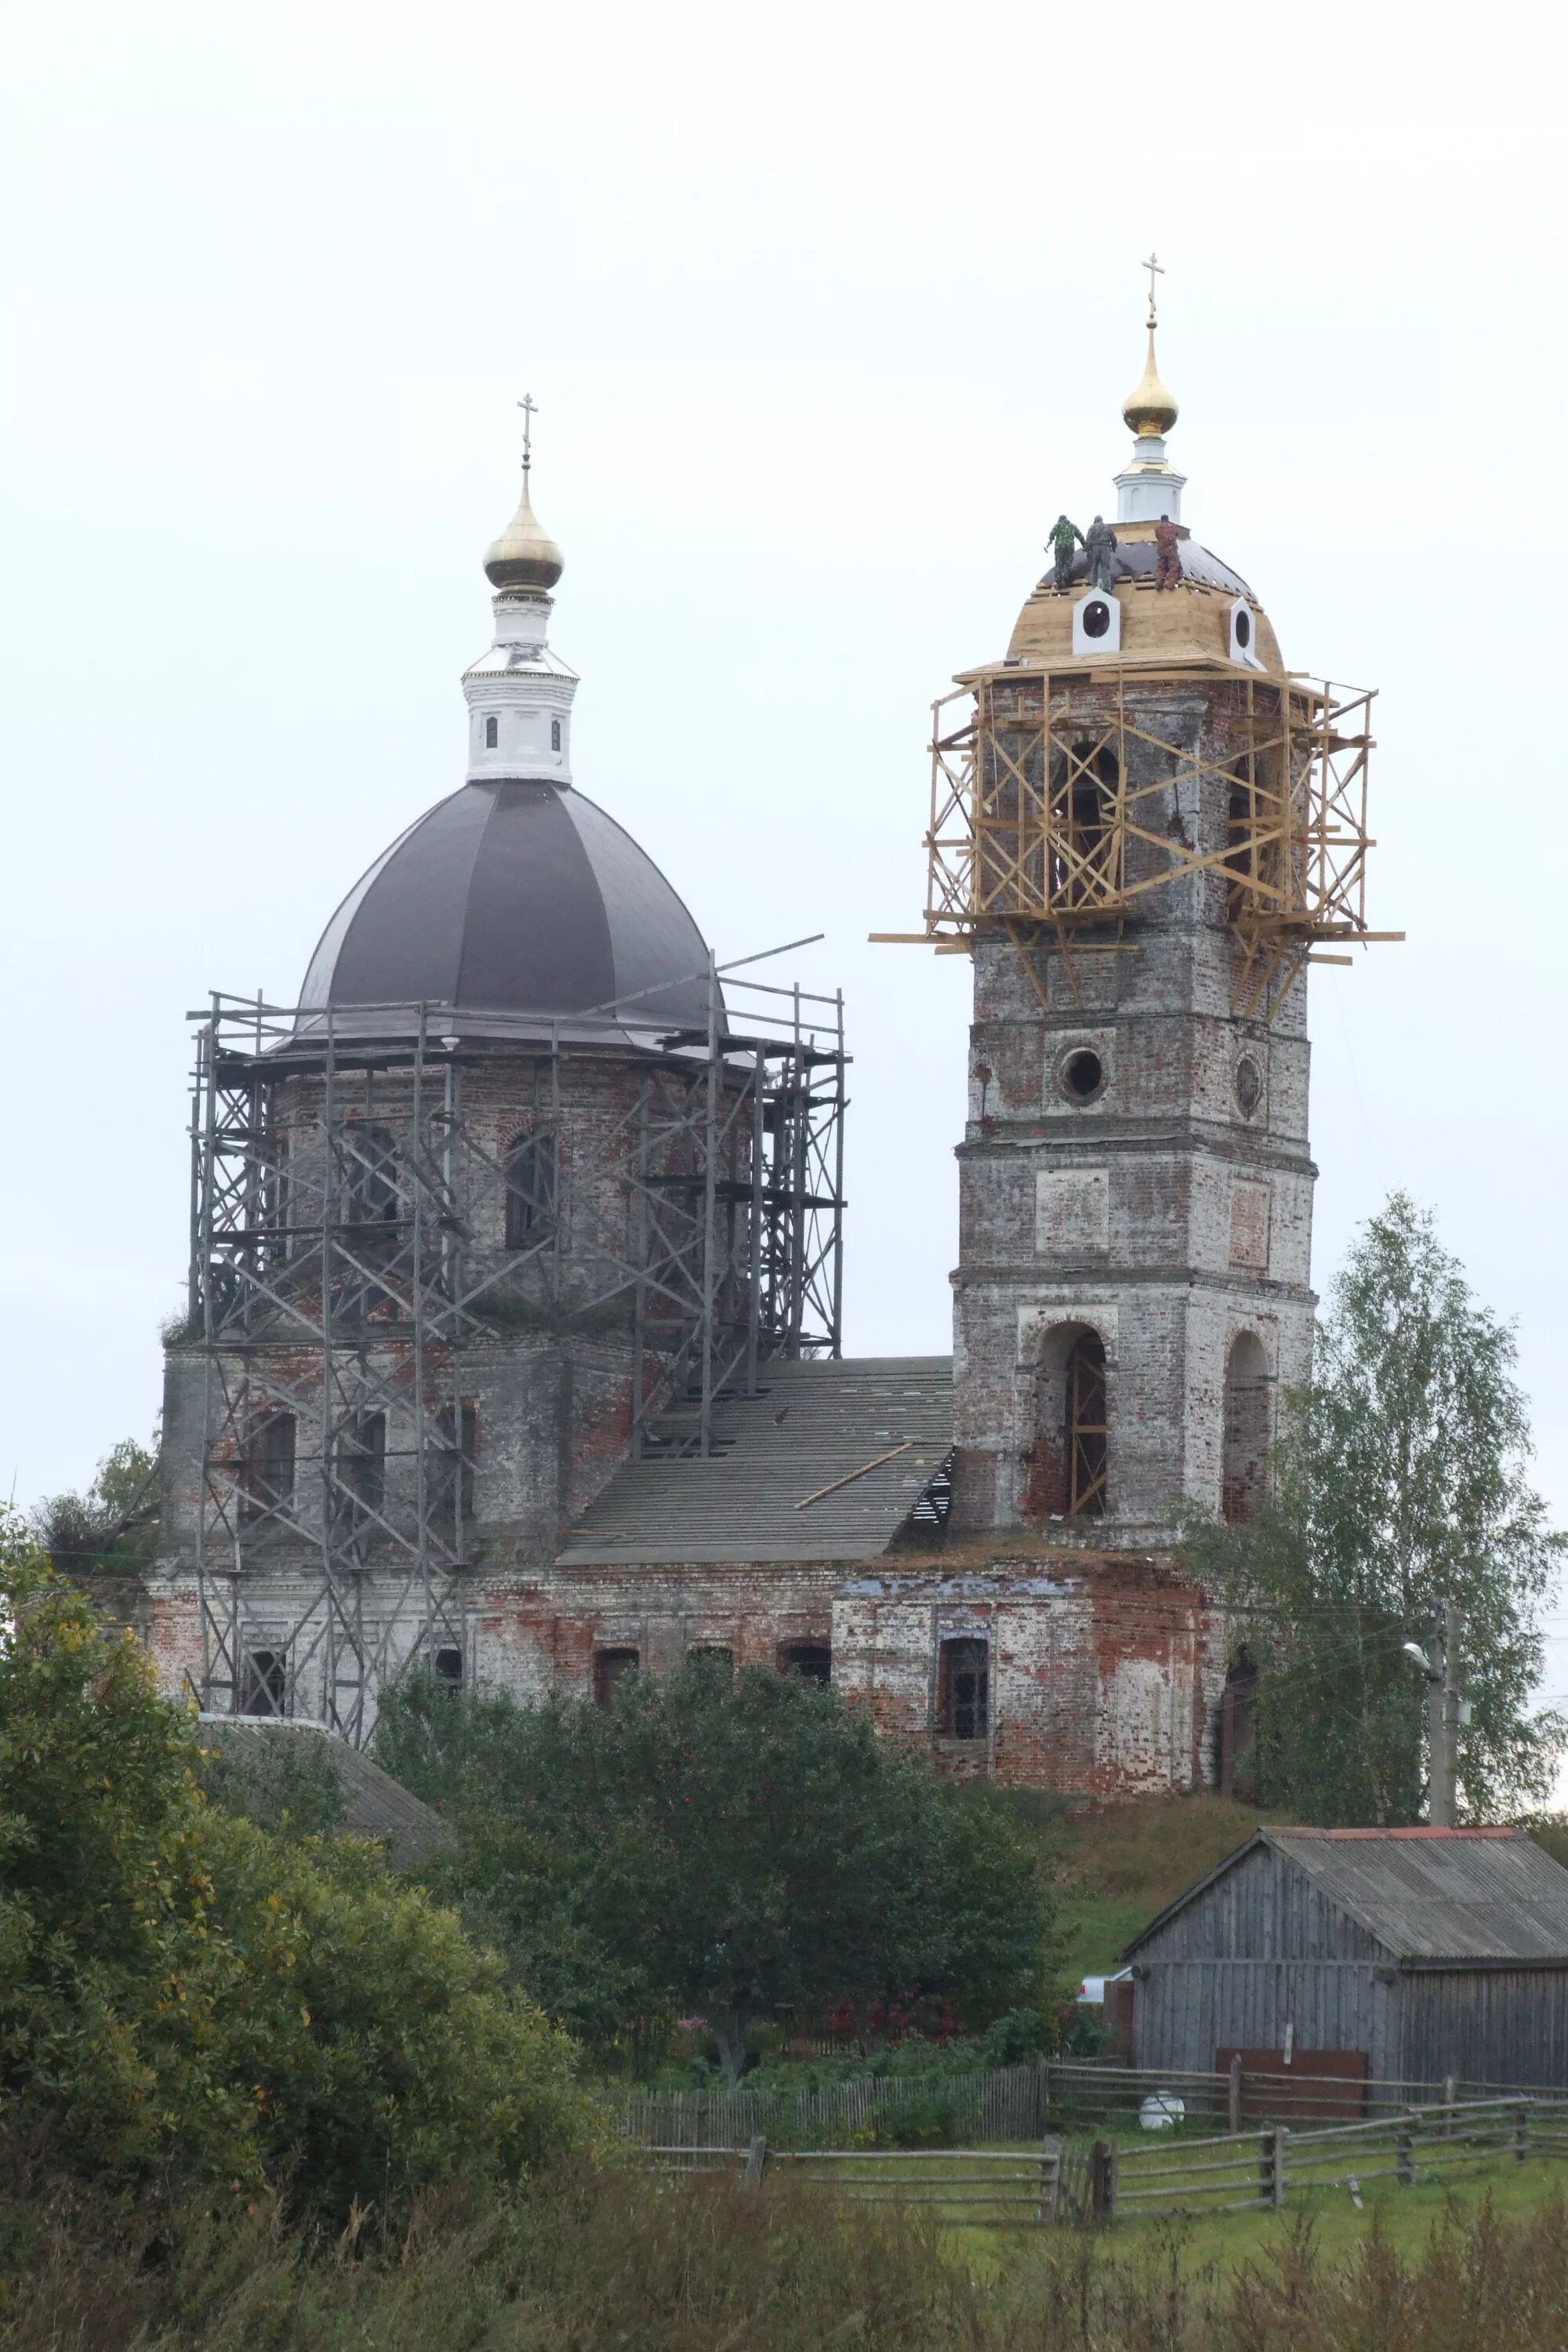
(1143, 830)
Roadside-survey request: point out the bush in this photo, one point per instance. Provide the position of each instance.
(585, 2262)
(185, 1998)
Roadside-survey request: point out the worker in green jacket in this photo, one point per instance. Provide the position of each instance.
(1065, 536)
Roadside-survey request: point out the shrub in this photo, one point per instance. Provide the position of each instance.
(185, 1998)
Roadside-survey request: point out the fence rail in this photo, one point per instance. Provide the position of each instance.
(1022, 2103)
(1228, 2173)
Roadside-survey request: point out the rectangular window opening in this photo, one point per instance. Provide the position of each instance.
(266, 1469)
(362, 1469)
(964, 1689)
(812, 1661)
(264, 1683)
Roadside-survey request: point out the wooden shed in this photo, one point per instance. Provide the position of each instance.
(1428, 1953)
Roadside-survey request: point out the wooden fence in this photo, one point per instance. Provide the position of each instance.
(1233, 2172)
(1020, 2103)
(1010, 2102)
(975, 2189)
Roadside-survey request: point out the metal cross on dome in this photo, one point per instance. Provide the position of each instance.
(530, 409)
(1156, 270)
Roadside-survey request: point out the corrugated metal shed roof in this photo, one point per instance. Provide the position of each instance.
(1429, 1897)
(816, 1423)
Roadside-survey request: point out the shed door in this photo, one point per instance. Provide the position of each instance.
(1316, 2087)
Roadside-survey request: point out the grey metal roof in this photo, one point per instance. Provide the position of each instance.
(377, 1805)
(514, 902)
(1137, 558)
(815, 1424)
(1487, 1897)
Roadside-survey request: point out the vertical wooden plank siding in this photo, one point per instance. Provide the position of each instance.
(1264, 1950)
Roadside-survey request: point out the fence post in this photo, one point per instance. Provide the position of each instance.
(1522, 2131)
(756, 2163)
(1233, 2111)
(1050, 2179)
(1102, 2181)
(1272, 2164)
(1405, 2151)
(1451, 2096)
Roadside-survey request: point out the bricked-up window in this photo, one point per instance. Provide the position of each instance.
(964, 1688)
(454, 1488)
(609, 1665)
(812, 1661)
(1088, 1430)
(264, 1683)
(360, 1462)
(1245, 1475)
(532, 1174)
(266, 1468)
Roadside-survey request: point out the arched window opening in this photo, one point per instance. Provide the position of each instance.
(609, 1666)
(492, 733)
(532, 1171)
(1088, 1428)
(1236, 1735)
(1244, 1475)
(964, 1688)
(555, 734)
(446, 1666)
(718, 1655)
(812, 1661)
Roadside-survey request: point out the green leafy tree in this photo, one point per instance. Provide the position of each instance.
(1399, 1480)
(722, 1844)
(187, 2000)
(115, 1523)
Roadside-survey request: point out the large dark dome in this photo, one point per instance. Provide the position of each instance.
(513, 903)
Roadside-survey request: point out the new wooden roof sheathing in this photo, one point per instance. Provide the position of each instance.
(814, 1423)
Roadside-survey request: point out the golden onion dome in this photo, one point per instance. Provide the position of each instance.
(1149, 408)
(524, 556)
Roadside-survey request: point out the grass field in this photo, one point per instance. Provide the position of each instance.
(1117, 1869)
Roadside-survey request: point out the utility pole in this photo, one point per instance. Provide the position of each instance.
(1443, 1716)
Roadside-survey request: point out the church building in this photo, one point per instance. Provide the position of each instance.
(512, 1350)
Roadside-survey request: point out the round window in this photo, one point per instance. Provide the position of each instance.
(1096, 618)
(1249, 1086)
(1083, 1073)
(1244, 628)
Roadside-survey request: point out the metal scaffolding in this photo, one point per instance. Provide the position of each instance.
(356, 1233)
(1052, 799)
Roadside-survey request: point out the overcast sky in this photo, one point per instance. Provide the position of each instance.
(828, 311)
